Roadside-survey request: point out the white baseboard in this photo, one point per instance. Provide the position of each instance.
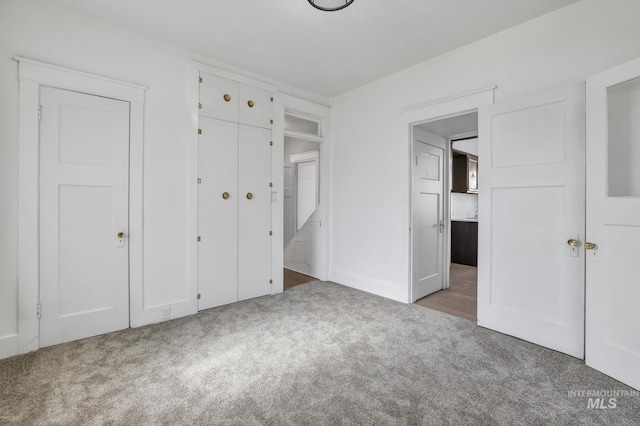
(154, 314)
(8, 346)
(379, 288)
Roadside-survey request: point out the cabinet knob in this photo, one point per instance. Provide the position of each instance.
(590, 246)
(249, 196)
(120, 235)
(225, 195)
(251, 104)
(572, 243)
(226, 97)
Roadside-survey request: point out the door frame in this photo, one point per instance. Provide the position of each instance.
(31, 76)
(433, 111)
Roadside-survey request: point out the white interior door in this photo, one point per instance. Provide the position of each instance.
(530, 281)
(84, 172)
(613, 223)
(217, 213)
(428, 213)
(254, 212)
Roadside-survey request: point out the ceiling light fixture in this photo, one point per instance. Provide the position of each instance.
(330, 5)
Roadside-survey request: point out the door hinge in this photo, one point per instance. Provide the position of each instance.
(199, 296)
(39, 112)
(199, 105)
(200, 79)
(199, 238)
(38, 310)
(270, 281)
(270, 232)
(199, 180)
(271, 143)
(199, 131)
(271, 121)
(272, 99)
(270, 184)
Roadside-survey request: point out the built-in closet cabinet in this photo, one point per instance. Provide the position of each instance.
(234, 191)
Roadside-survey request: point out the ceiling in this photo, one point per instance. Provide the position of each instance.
(327, 53)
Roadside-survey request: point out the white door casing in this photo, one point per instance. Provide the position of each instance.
(428, 213)
(84, 171)
(530, 281)
(613, 223)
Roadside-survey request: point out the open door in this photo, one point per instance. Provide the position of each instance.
(428, 213)
(613, 223)
(530, 270)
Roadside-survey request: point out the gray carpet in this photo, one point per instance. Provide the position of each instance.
(319, 354)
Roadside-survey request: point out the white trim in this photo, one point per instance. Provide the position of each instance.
(32, 75)
(304, 156)
(431, 111)
(8, 346)
(303, 136)
(464, 97)
(379, 288)
(202, 67)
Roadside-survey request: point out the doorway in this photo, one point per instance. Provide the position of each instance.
(303, 210)
(456, 293)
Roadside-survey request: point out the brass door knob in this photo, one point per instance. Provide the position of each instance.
(251, 104)
(226, 97)
(590, 246)
(572, 243)
(225, 195)
(120, 235)
(249, 196)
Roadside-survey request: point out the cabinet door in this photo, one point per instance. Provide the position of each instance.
(218, 97)
(256, 107)
(217, 213)
(254, 214)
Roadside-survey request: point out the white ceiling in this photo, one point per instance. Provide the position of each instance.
(327, 53)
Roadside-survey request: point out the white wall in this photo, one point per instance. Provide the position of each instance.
(463, 206)
(45, 32)
(370, 163)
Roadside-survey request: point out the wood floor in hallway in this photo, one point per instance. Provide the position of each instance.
(460, 299)
(293, 278)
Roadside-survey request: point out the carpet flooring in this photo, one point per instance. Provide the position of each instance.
(318, 354)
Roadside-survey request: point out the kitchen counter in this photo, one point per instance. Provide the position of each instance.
(465, 219)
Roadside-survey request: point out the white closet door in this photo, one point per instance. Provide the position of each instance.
(217, 213)
(84, 190)
(218, 97)
(255, 107)
(254, 215)
(530, 281)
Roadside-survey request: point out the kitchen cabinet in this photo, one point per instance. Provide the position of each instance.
(464, 242)
(464, 173)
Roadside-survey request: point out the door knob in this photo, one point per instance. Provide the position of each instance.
(225, 195)
(251, 104)
(249, 196)
(226, 97)
(590, 246)
(572, 243)
(120, 235)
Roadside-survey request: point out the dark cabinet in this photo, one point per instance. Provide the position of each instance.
(464, 243)
(464, 174)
